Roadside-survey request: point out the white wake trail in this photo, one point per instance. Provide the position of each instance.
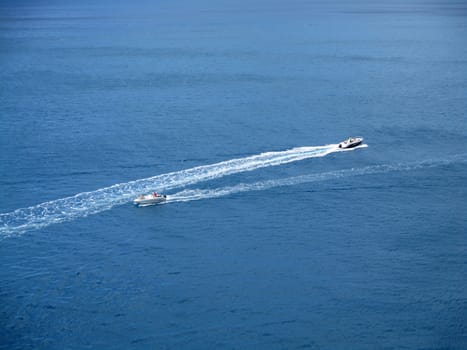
(87, 203)
(199, 194)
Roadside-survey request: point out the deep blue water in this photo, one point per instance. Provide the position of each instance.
(308, 248)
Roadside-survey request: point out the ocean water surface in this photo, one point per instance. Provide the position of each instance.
(272, 237)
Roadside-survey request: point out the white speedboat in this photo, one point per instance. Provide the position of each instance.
(351, 142)
(149, 199)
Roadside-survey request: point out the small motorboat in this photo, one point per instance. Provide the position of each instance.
(351, 142)
(149, 199)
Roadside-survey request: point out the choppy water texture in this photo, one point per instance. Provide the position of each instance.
(271, 237)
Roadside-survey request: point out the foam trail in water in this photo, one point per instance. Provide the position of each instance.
(198, 194)
(87, 203)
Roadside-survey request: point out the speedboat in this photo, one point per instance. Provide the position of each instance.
(149, 199)
(351, 142)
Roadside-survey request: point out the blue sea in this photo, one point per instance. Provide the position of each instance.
(271, 237)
